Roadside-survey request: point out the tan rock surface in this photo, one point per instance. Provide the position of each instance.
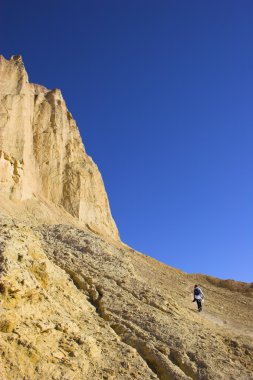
(61, 285)
(49, 329)
(76, 305)
(41, 152)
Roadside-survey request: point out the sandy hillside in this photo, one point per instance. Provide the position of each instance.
(77, 306)
(75, 302)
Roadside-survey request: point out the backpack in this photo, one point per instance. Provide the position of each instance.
(197, 292)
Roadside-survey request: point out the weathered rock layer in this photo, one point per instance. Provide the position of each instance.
(41, 152)
(75, 302)
(76, 306)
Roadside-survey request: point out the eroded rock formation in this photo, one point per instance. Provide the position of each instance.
(41, 152)
(78, 305)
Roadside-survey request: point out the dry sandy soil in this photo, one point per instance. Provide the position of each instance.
(78, 306)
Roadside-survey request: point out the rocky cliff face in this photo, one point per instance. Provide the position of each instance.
(78, 305)
(41, 152)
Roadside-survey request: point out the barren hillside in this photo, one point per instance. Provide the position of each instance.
(76, 302)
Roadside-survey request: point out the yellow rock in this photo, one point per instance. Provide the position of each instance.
(41, 152)
(80, 305)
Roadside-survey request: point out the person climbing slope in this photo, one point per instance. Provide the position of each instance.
(198, 296)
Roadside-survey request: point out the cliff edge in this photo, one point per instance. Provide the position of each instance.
(75, 302)
(42, 156)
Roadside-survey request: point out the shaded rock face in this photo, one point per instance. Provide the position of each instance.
(77, 304)
(41, 152)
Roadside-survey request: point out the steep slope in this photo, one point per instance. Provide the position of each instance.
(41, 153)
(76, 306)
(75, 302)
(49, 329)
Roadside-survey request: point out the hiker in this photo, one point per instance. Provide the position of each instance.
(198, 296)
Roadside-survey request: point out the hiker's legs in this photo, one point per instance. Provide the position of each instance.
(199, 305)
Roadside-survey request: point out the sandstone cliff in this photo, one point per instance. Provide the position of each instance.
(78, 305)
(41, 152)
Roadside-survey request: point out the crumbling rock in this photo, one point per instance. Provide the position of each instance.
(41, 152)
(75, 302)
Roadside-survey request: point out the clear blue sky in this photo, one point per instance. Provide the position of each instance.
(162, 92)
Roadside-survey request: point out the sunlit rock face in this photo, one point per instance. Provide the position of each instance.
(41, 152)
(75, 302)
